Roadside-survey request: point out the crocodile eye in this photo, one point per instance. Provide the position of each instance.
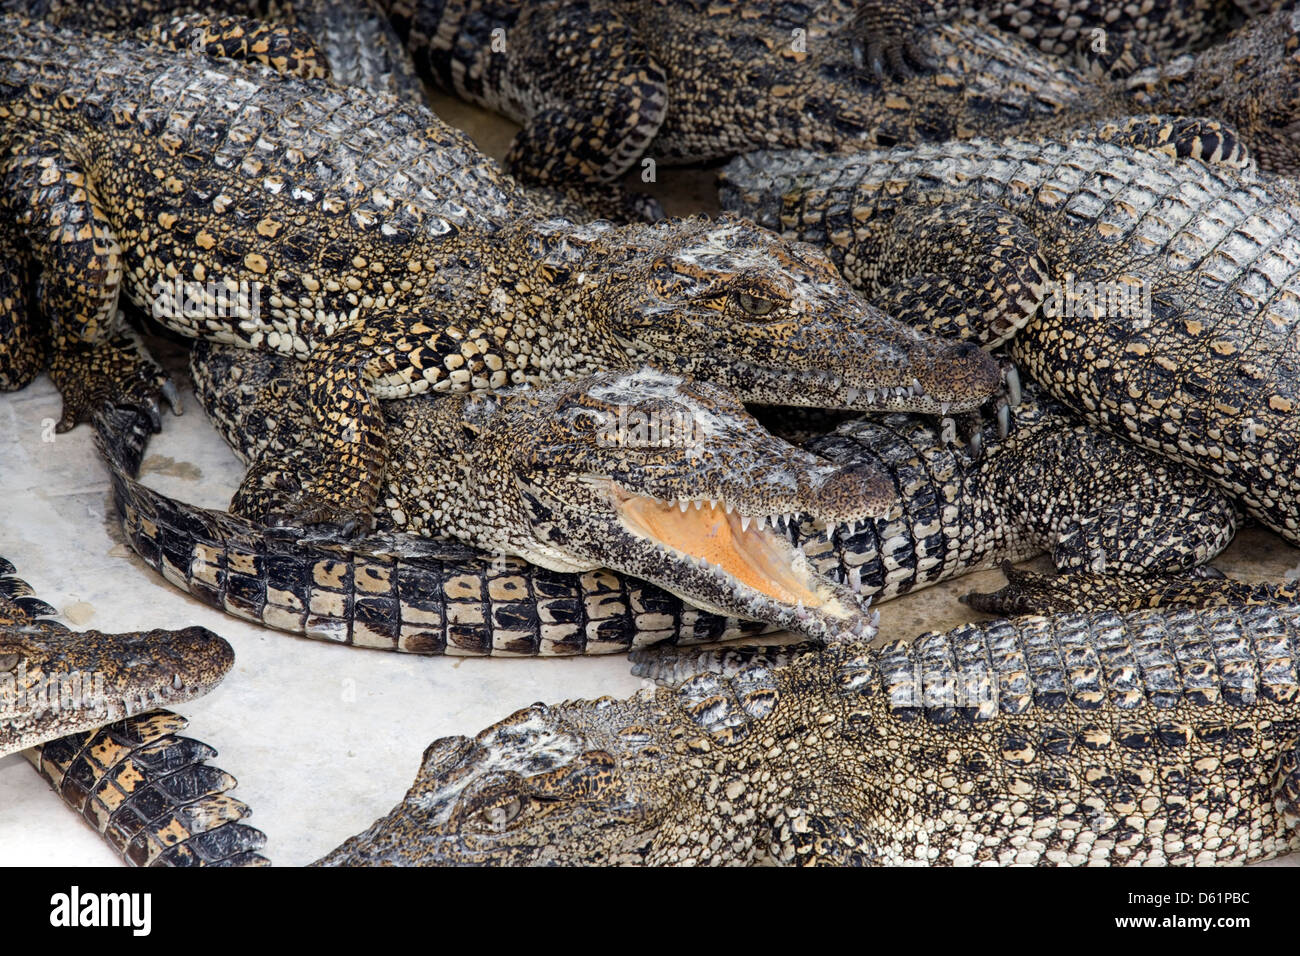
(499, 815)
(754, 305)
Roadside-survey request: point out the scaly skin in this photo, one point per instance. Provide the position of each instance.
(1161, 737)
(1210, 378)
(107, 676)
(602, 85)
(371, 263)
(1052, 485)
(1030, 593)
(150, 794)
(1161, 29)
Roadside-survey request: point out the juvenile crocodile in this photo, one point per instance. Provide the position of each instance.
(605, 86)
(554, 475)
(149, 793)
(1159, 737)
(1054, 485)
(1051, 485)
(1159, 296)
(186, 172)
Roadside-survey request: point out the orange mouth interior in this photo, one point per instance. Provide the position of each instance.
(762, 560)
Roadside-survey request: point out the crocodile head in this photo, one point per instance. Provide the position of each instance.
(724, 300)
(645, 472)
(54, 682)
(534, 789)
(675, 774)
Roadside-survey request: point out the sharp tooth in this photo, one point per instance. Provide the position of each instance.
(713, 502)
(744, 522)
(698, 504)
(943, 407)
(916, 387)
(852, 395)
(871, 394)
(683, 504)
(762, 522)
(855, 577)
(727, 505)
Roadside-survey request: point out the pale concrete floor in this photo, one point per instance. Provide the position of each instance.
(323, 739)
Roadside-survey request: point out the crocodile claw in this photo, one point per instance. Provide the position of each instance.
(1004, 421)
(173, 396)
(118, 371)
(1013, 386)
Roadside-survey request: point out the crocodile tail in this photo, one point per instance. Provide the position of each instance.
(151, 794)
(17, 604)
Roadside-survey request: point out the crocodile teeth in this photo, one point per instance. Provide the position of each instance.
(852, 395)
(943, 407)
(698, 505)
(744, 522)
(762, 522)
(855, 578)
(727, 506)
(683, 504)
(916, 387)
(871, 395)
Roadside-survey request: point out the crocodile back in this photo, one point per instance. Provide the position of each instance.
(1152, 737)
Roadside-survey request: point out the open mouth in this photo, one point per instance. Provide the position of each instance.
(747, 548)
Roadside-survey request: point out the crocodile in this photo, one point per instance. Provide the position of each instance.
(108, 752)
(333, 207)
(1051, 485)
(1157, 296)
(561, 476)
(1165, 737)
(605, 87)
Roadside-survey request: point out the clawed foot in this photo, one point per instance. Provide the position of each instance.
(118, 372)
(274, 494)
(884, 40)
(1025, 592)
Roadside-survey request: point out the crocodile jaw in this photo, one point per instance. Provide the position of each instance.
(761, 560)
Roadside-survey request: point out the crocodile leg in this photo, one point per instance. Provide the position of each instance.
(883, 34)
(912, 277)
(79, 262)
(337, 481)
